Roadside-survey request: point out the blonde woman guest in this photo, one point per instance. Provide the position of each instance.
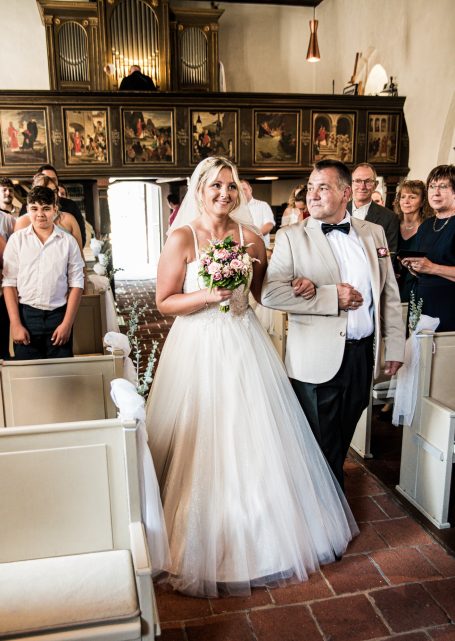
(411, 205)
(296, 210)
(377, 198)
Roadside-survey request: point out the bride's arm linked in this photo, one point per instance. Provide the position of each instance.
(256, 250)
(170, 299)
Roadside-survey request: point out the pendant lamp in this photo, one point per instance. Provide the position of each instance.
(313, 54)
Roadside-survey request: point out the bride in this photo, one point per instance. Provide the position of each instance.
(248, 497)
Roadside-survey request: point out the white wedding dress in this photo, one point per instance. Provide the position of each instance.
(248, 497)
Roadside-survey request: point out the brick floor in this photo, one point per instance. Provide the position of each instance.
(395, 582)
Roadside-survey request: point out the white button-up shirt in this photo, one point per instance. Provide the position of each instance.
(360, 212)
(42, 273)
(354, 269)
(261, 213)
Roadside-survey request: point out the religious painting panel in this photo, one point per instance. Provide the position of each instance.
(24, 136)
(148, 137)
(276, 137)
(333, 136)
(86, 132)
(213, 133)
(383, 138)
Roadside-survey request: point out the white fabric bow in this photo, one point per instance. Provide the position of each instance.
(131, 406)
(115, 341)
(408, 375)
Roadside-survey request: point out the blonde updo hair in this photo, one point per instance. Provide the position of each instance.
(294, 192)
(415, 187)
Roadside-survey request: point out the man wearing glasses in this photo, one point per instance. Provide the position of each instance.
(364, 182)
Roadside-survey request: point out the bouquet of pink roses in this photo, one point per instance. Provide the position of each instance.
(225, 264)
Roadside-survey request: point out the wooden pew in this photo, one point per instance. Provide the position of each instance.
(90, 325)
(278, 336)
(428, 449)
(73, 555)
(58, 389)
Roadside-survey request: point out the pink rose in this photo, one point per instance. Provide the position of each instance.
(213, 268)
(382, 252)
(217, 276)
(236, 264)
(221, 254)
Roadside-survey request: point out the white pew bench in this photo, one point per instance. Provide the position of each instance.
(90, 325)
(74, 564)
(428, 449)
(58, 389)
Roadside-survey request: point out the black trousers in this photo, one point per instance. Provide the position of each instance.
(334, 407)
(41, 324)
(4, 330)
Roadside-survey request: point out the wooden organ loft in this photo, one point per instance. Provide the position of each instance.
(91, 45)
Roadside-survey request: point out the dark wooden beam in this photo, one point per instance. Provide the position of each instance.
(291, 3)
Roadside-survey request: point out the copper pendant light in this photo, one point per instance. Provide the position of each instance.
(313, 54)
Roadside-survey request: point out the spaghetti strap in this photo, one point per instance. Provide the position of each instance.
(241, 234)
(196, 248)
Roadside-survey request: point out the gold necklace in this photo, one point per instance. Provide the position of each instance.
(441, 228)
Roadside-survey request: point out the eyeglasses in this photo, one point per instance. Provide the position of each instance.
(440, 186)
(369, 182)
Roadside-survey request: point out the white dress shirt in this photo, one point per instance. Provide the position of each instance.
(42, 273)
(262, 214)
(354, 269)
(7, 223)
(360, 212)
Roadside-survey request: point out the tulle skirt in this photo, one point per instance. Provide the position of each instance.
(248, 496)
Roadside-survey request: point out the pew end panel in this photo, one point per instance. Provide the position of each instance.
(59, 389)
(71, 511)
(429, 442)
(90, 325)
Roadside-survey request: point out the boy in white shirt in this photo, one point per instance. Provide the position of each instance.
(43, 281)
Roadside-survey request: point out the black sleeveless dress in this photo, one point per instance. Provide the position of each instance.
(438, 293)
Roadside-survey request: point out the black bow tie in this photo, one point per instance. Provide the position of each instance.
(327, 228)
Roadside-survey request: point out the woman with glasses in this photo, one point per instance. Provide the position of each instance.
(412, 207)
(435, 271)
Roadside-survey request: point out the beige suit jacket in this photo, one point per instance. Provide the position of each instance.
(316, 327)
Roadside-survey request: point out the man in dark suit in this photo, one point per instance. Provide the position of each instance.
(364, 182)
(137, 81)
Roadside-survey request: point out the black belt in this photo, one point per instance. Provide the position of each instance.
(353, 341)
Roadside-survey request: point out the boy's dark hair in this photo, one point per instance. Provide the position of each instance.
(173, 199)
(42, 196)
(344, 175)
(6, 182)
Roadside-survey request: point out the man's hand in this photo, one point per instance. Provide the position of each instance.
(61, 334)
(348, 297)
(304, 287)
(19, 334)
(392, 367)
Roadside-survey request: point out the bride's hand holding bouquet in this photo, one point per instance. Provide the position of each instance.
(225, 265)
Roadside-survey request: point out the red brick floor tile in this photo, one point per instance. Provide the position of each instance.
(315, 588)
(404, 565)
(351, 618)
(443, 562)
(365, 509)
(173, 633)
(173, 606)
(402, 532)
(292, 623)
(443, 592)
(446, 633)
(353, 574)
(357, 482)
(233, 627)
(408, 607)
(412, 636)
(390, 506)
(259, 597)
(367, 541)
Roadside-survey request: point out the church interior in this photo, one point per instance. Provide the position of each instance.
(274, 87)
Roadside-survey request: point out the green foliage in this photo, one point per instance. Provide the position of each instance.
(145, 378)
(415, 311)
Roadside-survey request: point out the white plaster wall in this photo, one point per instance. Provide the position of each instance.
(23, 55)
(414, 40)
